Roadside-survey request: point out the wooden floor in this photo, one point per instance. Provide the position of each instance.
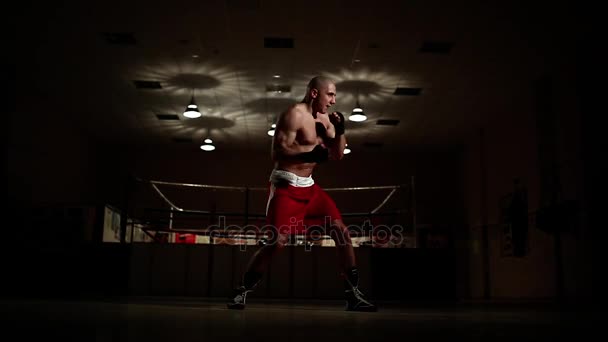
(187, 319)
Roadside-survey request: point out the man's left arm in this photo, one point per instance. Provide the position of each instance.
(337, 144)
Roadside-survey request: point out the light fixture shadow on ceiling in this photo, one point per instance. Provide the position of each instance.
(359, 87)
(210, 122)
(270, 106)
(183, 79)
(193, 81)
(196, 126)
(355, 127)
(364, 85)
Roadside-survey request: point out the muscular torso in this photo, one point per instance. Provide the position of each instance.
(311, 133)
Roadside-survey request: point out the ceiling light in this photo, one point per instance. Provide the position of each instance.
(272, 129)
(346, 149)
(192, 110)
(208, 146)
(357, 115)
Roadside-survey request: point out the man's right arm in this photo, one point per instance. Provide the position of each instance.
(286, 145)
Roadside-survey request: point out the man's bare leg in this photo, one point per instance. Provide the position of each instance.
(347, 264)
(256, 268)
(344, 246)
(260, 261)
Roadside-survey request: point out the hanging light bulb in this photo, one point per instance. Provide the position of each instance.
(271, 130)
(346, 149)
(357, 115)
(192, 110)
(208, 145)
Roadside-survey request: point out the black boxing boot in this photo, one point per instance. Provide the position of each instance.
(250, 280)
(355, 300)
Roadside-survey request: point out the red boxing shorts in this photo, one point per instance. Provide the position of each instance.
(296, 204)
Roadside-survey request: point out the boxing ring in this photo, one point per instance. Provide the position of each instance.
(171, 212)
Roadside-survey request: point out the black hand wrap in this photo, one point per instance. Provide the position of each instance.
(318, 155)
(339, 126)
(321, 130)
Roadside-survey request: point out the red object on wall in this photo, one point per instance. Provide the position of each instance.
(185, 238)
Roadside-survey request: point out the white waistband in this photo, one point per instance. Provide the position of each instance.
(294, 180)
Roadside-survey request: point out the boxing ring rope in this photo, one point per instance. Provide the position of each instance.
(154, 184)
(384, 202)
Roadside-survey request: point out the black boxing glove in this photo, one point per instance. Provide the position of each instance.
(339, 126)
(318, 155)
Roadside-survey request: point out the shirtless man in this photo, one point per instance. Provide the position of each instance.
(306, 134)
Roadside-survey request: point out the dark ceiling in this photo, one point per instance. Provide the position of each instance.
(425, 72)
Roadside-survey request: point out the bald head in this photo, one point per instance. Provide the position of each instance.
(317, 82)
